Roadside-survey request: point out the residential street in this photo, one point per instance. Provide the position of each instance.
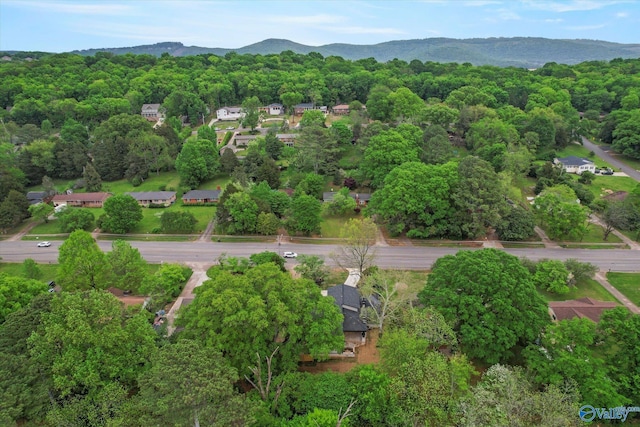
(604, 155)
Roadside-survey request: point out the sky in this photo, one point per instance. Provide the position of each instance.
(66, 25)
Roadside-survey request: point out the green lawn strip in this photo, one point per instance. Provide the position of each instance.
(603, 185)
(242, 239)
(588, 288)
(627, 283)
(594, 234)
(512, 245)
(170, 181)
(410, 282)
(16, 269)
(594, 246)
(219, 182)
(446, 243)
(331, 225)
(633, 235)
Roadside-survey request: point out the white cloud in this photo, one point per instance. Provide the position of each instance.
(554, 21)
(622, 15)
(585, 27)
(478, 3)
(75, 8)
(570, 6)
(508, 15)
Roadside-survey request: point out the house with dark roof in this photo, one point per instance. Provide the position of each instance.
(154, 198)
(35, 197)
(581, 308)
(287, 139)
(577, 165)
(81, 200)
(243, 140)
(350, 302)
(229, 113)
(201, 197)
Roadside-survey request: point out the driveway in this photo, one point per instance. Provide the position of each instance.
(603, 153)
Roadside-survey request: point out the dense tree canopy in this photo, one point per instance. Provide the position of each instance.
(491, 298)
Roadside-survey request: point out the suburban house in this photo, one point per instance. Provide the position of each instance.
(582, 307)
(362, 199)
(244, 140)
(156, 198)
(573, 164)
(35, 197)
(348, 299)
(273, 109)
(81, 200)
(341, 110)
(299, 109)
(200, 197)
(151, 112)
(229, 113)
(287, 139)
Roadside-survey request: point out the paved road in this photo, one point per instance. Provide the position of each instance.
(399, 257)
(604, 155)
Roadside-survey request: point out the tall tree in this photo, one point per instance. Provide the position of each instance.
(385, 151)
(491, 298)
(265, 308)
(190, 385)
(198, 161)
(92, 178)
(127, 267)
(121, 214)
(317, 150)
(81, 263)
(304, 214)
(251, 110)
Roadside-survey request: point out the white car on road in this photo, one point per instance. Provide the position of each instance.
(44, 244)
(290, 255)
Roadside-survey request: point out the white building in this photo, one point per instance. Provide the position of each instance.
(577, 165)
(229, 113)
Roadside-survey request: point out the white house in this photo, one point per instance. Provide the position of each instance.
(151, 112)
(577, 165)
(273, 109)
(229, 113)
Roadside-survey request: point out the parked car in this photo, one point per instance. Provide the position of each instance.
(290, 255)
(44, 244)
(607, 171)
(597, 171)
(230, 128)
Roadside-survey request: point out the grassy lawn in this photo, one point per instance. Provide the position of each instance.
(331, 225)
(170, 181)
(594, 234)
(628, 284)
(409, 282)
(589, 288)
(633, 235)
(604, 185)
(15, 269)
(580, 151)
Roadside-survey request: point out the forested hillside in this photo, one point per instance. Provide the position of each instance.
(528, 52)
(415, 150)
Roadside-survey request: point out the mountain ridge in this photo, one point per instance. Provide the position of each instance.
(529, 52)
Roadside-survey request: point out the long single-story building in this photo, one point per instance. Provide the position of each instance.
(201, 197)
(81, 200)
(157, 198)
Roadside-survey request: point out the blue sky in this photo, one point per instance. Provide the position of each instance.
(61, 26)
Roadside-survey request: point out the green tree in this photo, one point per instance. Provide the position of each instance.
(622, 215)
(41, 211)
(272, 145)
(552, 276)
(164, 285)
(565, 354)
(269, 172)
(81, 263)
(416, 198)
(121, 214)
(311, 185)
(341, 204)
(268, 257)
(188, 385)
(92, 178)
(88, 341)
(312, 267)
(440, 114)
(385, 151)
(231, 315)
(127, 267)
(30, 269)
(268, 224)
(250, 108)
(381, 289)
(379, 105)
(558, 210)
(491, 298)
(517, 224)
(317, 150)
(198, 161)
(436, 150)
(181, 102)
(181, 222)
(228, 161)
(244, 213)
(504, 396)
(17, 292)
(312, 118)
(406, 105)
(479, 197)
(579, 271)
(304, 214)
(290, 99)
(72, 219)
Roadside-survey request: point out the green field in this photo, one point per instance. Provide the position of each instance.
(628, 284)
(590, 288)
(331, 225)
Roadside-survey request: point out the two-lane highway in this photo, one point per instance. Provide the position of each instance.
(395, 257)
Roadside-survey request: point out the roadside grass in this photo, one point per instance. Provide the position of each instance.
(605, 185)
(587, 288)
(633, 235)
(594, 234)
(410, 282)
(49, 270)
(627, 283)
(331, 226)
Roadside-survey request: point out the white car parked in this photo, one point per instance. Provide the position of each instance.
(289, 255)
(44, 244)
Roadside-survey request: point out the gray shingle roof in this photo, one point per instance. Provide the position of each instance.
(202, 194)
(152, 195)
(348, 299)
(574, 161)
